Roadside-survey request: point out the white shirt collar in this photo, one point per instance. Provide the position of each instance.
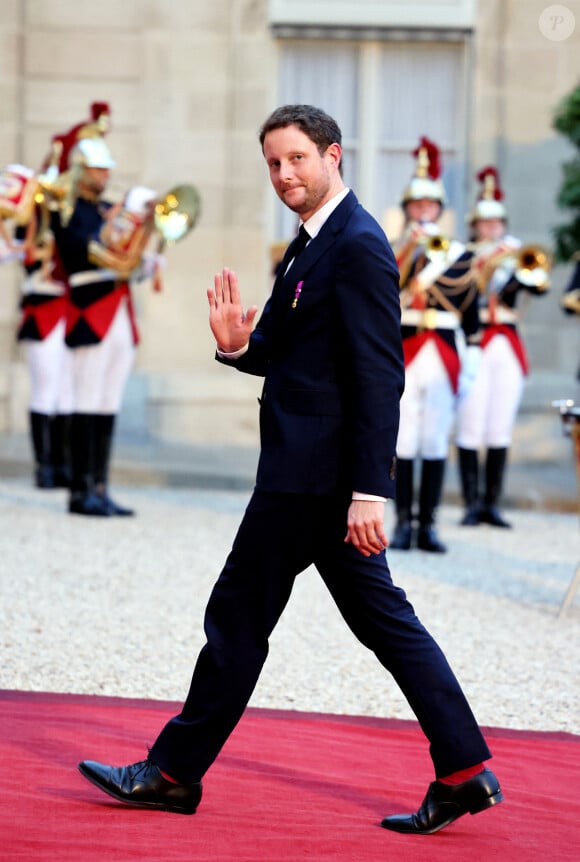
(315, 222)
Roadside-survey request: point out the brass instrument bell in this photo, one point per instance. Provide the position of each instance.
(533, 264)
(436, 246)
(177, 212)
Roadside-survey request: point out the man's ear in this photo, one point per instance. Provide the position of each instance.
(335, 152)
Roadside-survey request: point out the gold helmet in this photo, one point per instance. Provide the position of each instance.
(489, 204)
(426, 181)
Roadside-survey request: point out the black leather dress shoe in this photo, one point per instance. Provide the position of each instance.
(87, 504)
(471, 516)
(401, 540)
(114, 508)
(491, 515)
(143, 785)
(444, 803)
(44, 476)
(428, 540)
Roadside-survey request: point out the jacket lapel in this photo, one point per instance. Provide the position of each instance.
(284, 289)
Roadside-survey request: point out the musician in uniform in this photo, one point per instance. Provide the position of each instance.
(41, 327)
(487, 414)
(100, 247)
(440, 328)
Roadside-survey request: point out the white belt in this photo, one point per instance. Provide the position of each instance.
(501, 315)
(429, 318)
(92, 276)
(35, 283)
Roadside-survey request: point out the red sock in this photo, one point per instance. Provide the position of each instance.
(168, 777)
(462, 774)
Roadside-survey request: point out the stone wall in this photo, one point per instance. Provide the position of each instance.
(189, 83)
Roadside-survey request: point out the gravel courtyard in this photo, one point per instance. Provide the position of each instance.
(115, 607)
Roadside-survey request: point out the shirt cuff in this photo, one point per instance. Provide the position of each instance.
(372, 498)
(235, 354)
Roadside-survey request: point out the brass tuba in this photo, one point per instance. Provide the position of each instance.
(177, 213)
(124, 236)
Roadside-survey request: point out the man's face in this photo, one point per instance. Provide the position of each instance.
(95, 179)
(489, 229)
(423, 210)
(302, 178)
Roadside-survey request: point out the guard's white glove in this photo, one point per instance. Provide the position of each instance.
(470, 363)
(152, 263)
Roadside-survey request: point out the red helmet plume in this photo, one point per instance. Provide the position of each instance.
(431, 150)
(491, 188)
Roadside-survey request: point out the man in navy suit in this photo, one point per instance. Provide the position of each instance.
(328, 344)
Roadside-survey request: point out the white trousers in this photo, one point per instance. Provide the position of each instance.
(487, 415)
(101, 371)
(427, 407)
(50, 369)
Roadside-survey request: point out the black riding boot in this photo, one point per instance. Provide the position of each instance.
(401, 540)
(494, 471)
(432, 473)
(104, 438)
(83, 500)
(469, 473)
(40, 436)
(59, 450)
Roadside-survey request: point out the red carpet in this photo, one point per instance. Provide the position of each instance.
(287, 786)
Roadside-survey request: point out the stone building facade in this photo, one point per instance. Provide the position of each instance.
(189, 83)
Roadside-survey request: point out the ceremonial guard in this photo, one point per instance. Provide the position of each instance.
(440, 329)
(41, 328)
(100, 247)
(487, 414)
(26, 198)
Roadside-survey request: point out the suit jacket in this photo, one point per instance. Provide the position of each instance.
(329, 345)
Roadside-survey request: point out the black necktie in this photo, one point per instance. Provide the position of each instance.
(298, 243)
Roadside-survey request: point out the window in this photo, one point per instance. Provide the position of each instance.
(384, 95)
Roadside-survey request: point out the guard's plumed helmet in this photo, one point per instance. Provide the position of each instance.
(426, 181)
(489, 203)
(92, 153)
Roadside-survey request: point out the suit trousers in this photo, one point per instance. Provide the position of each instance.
(279, 537)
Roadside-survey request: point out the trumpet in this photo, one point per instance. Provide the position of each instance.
(436, 246)
(532, 266)
(425, 236)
